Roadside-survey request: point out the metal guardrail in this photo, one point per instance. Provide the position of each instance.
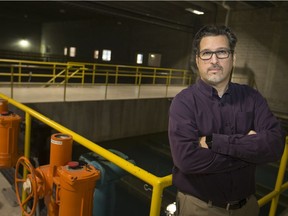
(280, 187)
(24, 73)
(48, 73)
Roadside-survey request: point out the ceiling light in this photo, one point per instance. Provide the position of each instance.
(197, 12)
(24, 43)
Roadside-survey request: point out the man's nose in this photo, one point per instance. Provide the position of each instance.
(214, 58)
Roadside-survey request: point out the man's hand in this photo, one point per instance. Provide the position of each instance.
(251, 132)
(202, 142)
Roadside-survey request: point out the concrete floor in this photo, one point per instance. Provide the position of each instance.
(87, 93)
(8, 204)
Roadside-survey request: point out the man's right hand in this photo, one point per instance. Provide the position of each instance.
(202, 142)
(251, 132)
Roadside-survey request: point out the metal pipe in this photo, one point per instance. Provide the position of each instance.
(279, 180)
(227, 7)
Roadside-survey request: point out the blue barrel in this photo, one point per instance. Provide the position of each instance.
(104, 193)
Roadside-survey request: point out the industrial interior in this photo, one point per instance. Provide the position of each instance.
(85, 90)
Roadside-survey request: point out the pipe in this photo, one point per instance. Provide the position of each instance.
(227, 7)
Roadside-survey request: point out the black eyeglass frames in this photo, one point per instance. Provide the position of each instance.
(220, 54)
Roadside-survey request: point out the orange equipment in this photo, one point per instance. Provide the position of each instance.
(9, 133)
(3, 105)
(66, 186)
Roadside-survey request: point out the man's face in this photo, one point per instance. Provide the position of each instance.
(216, 70)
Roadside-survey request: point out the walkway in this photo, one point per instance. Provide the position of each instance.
(33, 94)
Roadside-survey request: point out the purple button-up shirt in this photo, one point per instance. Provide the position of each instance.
(226, 171)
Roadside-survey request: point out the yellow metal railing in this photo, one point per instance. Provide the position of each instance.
(280, 187)
(15, 73)
(158, 183)
(23, 71)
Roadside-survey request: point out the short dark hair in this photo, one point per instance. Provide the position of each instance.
(212, 30)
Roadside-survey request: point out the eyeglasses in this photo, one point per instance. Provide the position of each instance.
(220, 54)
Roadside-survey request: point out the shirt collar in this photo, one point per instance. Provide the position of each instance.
(209, 90)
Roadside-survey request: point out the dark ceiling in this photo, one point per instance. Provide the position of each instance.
(169, 12)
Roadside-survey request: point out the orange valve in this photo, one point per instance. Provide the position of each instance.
(3, 106)
(60, 149)
(28, 185)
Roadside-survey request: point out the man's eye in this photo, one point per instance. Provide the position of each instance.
(222, 52)
(206, 53)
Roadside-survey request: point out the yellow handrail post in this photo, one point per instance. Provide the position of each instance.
(156, 201)
(65, 83)
(168, 82)
(117, 74)
(139, 84)
(83, 75)
(106, 84)
(154, 76)
(136, 75)
(54, 72)
(279, 181)
(93, 73)
(26, 147)
(27, 135)
(20, 72)
(170, 77)
(157, 194)
(12, 82)
(184, 77)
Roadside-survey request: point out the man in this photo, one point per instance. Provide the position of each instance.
(219, 131)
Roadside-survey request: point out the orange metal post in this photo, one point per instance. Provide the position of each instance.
(9, 133)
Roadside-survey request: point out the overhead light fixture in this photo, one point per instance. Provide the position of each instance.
(24, 43)
(197, 12)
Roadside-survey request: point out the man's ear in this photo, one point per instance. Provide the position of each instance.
(234, 60)
(197, 61)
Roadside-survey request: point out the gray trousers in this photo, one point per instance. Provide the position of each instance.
(188, 205)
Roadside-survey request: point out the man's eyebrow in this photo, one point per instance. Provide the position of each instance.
(220, 48)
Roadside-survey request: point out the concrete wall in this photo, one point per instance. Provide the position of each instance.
(13, 31)
(262, 51)
(109, 120)
(125, 39)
